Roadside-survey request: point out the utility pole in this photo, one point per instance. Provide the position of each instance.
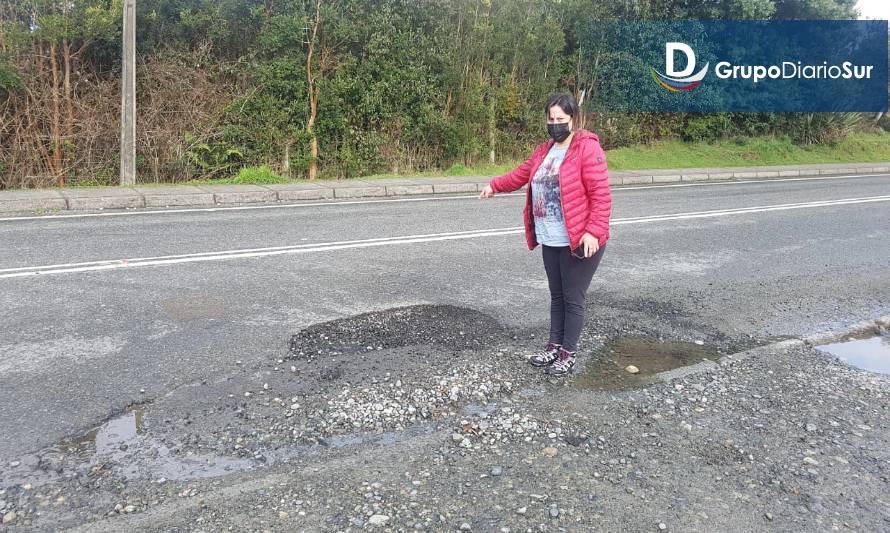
(128, 97)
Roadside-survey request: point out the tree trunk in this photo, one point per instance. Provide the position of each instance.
(492, 124)
(285, 165)
(313, 97)
(69, 105)
(56, 119)
(482, 48)
(466, 70)
(68, 133)
(313, 141)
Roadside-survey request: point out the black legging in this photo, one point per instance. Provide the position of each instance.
(569, 278)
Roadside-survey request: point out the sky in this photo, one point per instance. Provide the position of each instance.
(874, 9)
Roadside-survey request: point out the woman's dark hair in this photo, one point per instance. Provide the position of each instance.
(566, 102)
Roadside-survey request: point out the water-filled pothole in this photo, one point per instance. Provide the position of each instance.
(124, 443)
(871, 353)
(112, 434)
(607, 369)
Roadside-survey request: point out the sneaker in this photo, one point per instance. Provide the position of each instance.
(564, 363)
(547, 356)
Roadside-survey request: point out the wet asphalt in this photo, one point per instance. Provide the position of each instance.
(77, 347)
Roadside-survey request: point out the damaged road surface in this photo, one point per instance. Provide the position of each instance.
(388, 388)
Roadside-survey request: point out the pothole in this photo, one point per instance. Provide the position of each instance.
(871, 352)
(124, 445)
(111, 435)
(444, 325)
(608, 369)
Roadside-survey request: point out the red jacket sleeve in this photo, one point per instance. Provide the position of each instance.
(595, 175)
(517, 177)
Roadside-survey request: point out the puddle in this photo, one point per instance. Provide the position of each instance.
(871, 353)
(606, 369)
(112, 434)
(122, 441)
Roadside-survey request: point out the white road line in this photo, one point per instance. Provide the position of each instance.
(236, 254)
(296, 247)
(742, 182)
(616, 189)
(385, 241)
(744, 210)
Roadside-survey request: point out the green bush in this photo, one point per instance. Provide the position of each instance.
(9, 78)
(456, 170)
(707, 127)
(209, 158)
(813, 128)
(261, 174)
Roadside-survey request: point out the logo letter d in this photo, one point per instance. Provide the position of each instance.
(669, 49)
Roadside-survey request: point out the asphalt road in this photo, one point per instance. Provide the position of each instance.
(81, 341)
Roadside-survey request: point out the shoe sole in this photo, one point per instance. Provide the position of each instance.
(534, 363)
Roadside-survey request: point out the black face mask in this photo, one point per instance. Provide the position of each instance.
(559, 132)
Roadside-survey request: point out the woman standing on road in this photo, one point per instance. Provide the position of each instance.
(567, 210)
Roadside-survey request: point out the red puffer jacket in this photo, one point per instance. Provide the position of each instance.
(583, 186)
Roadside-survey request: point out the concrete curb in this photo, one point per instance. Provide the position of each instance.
(100, 198)
(866, 327)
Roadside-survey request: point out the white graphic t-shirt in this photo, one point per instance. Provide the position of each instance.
(550, 227)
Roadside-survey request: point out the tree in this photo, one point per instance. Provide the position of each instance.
(52, 37)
